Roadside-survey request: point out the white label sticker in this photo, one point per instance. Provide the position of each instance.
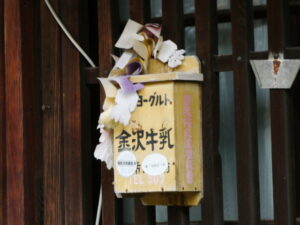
(155, 164)
(126, 163)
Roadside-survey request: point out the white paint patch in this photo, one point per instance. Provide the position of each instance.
(155, 164)
(126, 163)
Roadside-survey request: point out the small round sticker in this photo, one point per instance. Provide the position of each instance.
(126, 163)
(155, 164)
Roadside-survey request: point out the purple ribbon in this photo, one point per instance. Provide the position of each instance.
(126, 85)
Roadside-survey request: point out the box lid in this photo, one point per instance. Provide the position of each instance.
(171, 76)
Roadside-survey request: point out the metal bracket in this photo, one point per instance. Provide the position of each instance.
(275, 72)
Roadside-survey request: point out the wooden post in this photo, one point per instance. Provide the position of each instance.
(281, 124)
(108, 21)
(14, 114)
(21, 108)
(173, 29)
(72, 115)
(2, 123)
(245, 113)
(178, 215)
(207, 46)
(172, 14)
(52, 118)
(140, 12)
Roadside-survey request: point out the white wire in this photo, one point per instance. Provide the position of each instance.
(99, 207)
(90, 61)
(69, 35)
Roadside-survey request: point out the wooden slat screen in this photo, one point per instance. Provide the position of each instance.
(108, 22)
(52, 119)
(206, 45)
(14, 116)
(140, 12)
(72, 116)
(173, 29)
(245, 113)
(21, 126)
(281, 124)
(2, 122)
(45, 142)
(62, 110)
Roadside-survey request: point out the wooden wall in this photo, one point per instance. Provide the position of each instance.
(2, 122)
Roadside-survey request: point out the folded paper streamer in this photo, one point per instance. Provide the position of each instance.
(140, 44)
(104, 150)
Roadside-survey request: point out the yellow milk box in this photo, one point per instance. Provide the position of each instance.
(158, 155)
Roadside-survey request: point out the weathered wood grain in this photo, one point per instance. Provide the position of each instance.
(172, 22)
(206, 46)
(14, 114)
(18, 163)
(143, 214)
(72, 115)
(52, 118)
(245, 113)
(108, 22)
(178, 215)
(295, 41)
(31, 107)
(140, 11)
(89, 108)
(2, 122)
(282, 124)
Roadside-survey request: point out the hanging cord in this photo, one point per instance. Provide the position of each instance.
(99, 207)
(89, 60)
(62, 26)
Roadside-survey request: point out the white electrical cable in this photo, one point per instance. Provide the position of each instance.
(69, 35)
(99, 207)
(90, 61)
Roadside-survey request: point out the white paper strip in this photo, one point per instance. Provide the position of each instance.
(124, 59)
(166, 50)
(129, 34)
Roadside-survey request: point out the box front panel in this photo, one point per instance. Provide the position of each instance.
(145, 149)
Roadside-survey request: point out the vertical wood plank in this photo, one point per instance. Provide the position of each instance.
(2, 122)
(19, 161)
(14, 114)
(52, 118)
(283, 158)
(173, 29)
(295, 40)
(89, 107)
(143, 214)
(108, 20)
(296, 110)
(31, 107)
(178, 215)
(172, 16)
(245, 113)
(206, 44)
(140, 12)
(33, 12)
(72, 116)
(281, 124)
